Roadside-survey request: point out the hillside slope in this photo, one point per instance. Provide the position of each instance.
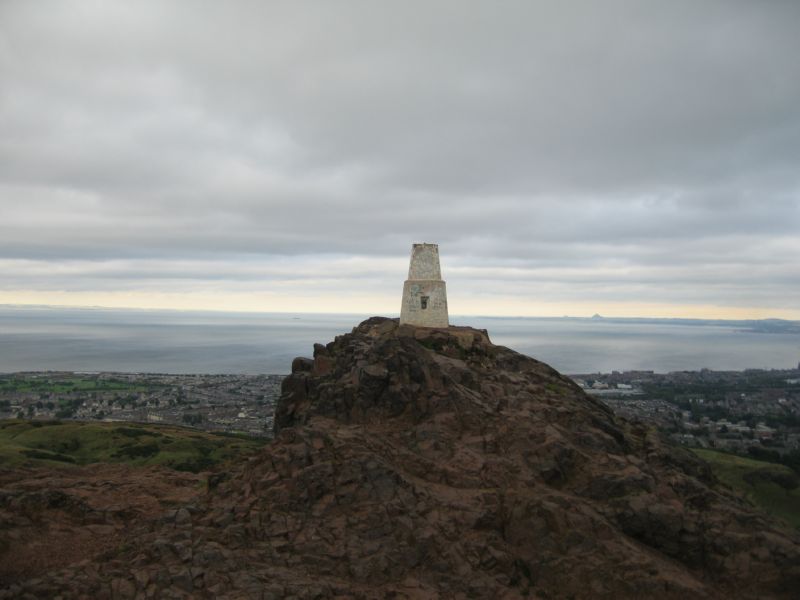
(426, 463)
(42, 443)
(769, 486)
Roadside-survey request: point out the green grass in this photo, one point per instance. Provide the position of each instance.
(765, 484)
(69, 383)
(81, 443)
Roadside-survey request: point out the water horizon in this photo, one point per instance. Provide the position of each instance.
(92, 339)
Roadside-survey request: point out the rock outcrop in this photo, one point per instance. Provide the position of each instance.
(427, 463)
(51, 518)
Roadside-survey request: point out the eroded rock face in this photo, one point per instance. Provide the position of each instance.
(51, 518)
(425, 463)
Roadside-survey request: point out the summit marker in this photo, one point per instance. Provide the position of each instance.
(424, 292)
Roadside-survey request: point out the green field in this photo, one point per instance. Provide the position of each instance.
(68, 383)
(769, 486)
(31, 443)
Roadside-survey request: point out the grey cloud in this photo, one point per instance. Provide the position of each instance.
(563, 139)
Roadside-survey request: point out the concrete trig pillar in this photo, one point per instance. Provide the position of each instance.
(424, 292)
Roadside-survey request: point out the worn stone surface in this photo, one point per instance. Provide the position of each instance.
(424, 293)
(429, 463)
(51, 518)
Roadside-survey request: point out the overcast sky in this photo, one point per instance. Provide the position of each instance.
(628, 158)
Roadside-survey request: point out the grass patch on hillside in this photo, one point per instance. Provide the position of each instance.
(771, 487)
(81, 443)
(61, 384)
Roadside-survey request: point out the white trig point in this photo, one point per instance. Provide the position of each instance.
(424, 292)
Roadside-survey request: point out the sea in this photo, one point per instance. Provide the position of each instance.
(180, 342)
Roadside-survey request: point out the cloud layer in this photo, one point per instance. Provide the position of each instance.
(562, 154)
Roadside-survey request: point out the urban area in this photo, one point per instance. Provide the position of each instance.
(752, 412)
(223, 403)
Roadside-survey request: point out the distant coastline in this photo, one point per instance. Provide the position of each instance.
(149, 341)
(759, 325)
(766, 325)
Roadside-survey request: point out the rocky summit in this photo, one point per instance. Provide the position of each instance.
(414, 462)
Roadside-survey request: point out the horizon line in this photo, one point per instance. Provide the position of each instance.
(595, 316)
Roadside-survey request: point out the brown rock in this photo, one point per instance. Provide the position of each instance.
(122, 589)
(426, 463)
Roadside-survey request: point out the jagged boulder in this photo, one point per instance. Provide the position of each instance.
(535, 486)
